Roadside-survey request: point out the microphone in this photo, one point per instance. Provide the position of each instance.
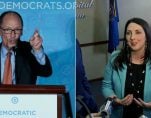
(14, 49)
(105, 109)
(68, 105)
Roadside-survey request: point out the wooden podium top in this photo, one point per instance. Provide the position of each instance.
(40, 89)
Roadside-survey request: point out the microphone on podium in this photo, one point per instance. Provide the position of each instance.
(68, 105)
(105, 109)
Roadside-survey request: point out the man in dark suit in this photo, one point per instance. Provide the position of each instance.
(28, 59)
(83, 87)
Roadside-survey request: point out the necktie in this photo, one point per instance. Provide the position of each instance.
(7, 78)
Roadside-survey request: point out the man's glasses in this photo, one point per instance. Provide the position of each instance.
(9, 31)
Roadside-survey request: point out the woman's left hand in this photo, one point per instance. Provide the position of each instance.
(141, 103)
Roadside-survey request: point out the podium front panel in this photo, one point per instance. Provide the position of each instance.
(31, 101)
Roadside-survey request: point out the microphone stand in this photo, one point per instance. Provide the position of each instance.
(79, 99)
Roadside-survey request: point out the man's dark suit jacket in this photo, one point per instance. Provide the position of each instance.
(82, 85)
(27, 67)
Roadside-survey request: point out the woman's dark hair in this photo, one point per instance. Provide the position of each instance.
(124, 55)
(10, 12)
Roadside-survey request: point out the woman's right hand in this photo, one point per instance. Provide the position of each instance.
(126, 101)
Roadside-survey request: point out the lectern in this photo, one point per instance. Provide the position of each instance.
(31, 101)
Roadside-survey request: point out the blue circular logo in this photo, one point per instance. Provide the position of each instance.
(14, 100)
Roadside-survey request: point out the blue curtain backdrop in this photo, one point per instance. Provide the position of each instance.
(113, 26)
(55, 20)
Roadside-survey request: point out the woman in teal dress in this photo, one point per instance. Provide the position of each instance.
(127, 77)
